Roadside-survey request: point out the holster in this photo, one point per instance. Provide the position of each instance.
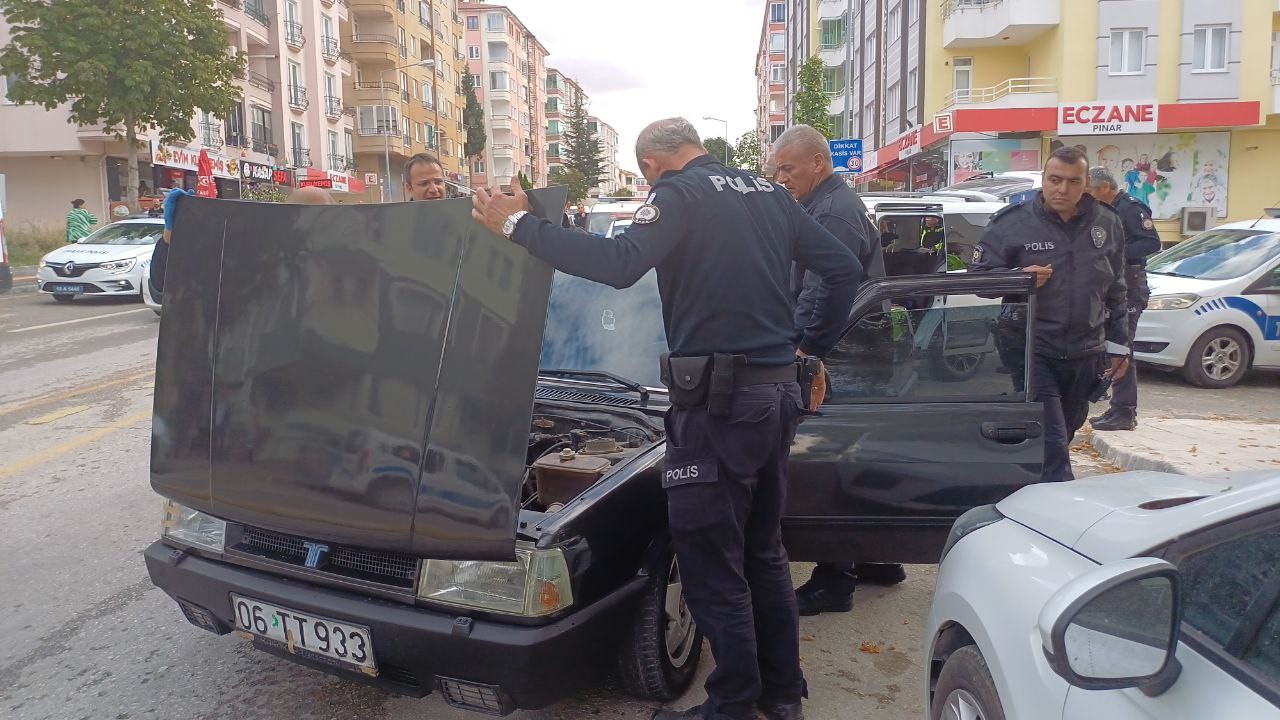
(721, 396)
(809, 368)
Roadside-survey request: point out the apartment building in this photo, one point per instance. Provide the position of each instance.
(508, 68)
(406, 91)
(562, 92)
(772, 75)
(1178, 97)
(800, 44)
(608, 137)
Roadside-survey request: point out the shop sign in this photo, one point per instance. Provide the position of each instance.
(323, 183)
(339, 182)
(942, 123)
(370, 178)
(846, 155)
(256, 171)
(282, 177)
(187, 159)
(1108, 118)
(908, 143)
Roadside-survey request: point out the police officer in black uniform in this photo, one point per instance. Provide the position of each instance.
(723, 242)
(1074, 244)
(1140, 242)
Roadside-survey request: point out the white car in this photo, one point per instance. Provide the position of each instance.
(1124, 597)
(108, 262)
(150, 297)
(1215, 304)
(602, 215)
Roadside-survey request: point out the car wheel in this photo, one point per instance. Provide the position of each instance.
(954, 367)
(1218, 358)
(965, 690)
(60, 297)
(660, 654)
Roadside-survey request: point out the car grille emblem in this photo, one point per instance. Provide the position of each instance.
(69, 268)
(315, 552)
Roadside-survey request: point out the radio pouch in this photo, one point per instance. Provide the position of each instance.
(687, 380)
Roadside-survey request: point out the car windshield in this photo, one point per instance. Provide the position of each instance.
(126, 234)
(1001, 187)
(1218, 254)
(595, 327)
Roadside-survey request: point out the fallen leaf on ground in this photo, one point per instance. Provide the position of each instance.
(807, 638)
(908, 622)
(869, 647)
(1194, 450)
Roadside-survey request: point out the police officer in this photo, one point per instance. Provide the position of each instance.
(1074, 245)
(723, 242)
(801, 161)
(1140, 242)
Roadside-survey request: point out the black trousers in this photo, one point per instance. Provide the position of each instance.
(1124, 392)
(726, 484)
(1064, 387)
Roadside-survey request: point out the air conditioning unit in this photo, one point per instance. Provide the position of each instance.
(1196, 220)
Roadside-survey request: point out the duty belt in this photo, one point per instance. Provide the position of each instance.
(762, 374)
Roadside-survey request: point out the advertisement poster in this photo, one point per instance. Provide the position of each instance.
(974, 157)
(1167, 172)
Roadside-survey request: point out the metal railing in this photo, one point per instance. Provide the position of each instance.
(327, 3)
(262, 145)
(333, 106)
(232, 3)
(260, 81)
(211, 134)
(293, 36)
(375, 38)
(301, 157)
(380, 128)
(236, 139)
(951, 7)
(329, 48)
(1012, 86)
(255, 10)
(424, 21)
(298, 97)
(338, 163)
(1275, 76)
(389, 86)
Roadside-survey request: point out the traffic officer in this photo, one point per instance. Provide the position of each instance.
(1140, 242)
(931, 233)
(723, 242)
(801, 161)
(1074, 245)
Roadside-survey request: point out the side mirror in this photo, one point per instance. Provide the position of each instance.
(1115, 627)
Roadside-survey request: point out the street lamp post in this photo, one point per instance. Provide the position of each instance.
(386, 138)
(726, 136)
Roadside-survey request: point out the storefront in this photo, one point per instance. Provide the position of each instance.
(173, 166)
(916, 160)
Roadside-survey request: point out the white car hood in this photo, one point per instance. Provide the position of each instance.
(1103, 517)
(97, 253)
(1172, 285)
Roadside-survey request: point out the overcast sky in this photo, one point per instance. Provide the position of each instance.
(641, 61)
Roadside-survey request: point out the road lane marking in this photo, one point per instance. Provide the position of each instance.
(76, 392)
(58, 415)
(62, 448)
(78, 320)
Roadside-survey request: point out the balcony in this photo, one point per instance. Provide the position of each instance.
(501, 122)
(232, 3)
(329, 49)
(255, 11)
(831, 9)
(997, 23)
(327, 3)
(1012, 93)
(428, 104)
(236, 139)
(332, 107)
(293, 36)
(834, 55)
(260, 81)
(298, 98)
(503, 95)
(262, 144)
(1275, 91)
(373, 90)
(211, 135)
(504, 150)
(301, 157)
(341, 163)
(375, 48)
(382, 127)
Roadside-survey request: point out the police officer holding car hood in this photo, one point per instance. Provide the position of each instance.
(1075, 246)
(723, 242)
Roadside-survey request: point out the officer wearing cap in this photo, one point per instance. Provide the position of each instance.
(1140, 242)
(723, 242)
(1074, 245)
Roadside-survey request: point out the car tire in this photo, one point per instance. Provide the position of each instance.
(62, 297)
(659, 656)
(965, 690)
(955, 367)
(1218, 358)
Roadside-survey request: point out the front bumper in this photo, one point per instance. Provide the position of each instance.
(1164, 337)
(477, 664)
(92, 282)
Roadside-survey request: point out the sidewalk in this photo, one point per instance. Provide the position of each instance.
(24, 278)
(1191, 447)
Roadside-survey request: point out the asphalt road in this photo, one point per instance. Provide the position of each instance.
(83, 634)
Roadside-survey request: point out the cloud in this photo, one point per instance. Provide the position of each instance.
(597, 76)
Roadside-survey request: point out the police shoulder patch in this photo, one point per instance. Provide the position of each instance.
(977, 253)
(1146, 222)
(1099, 236)
(646, 214)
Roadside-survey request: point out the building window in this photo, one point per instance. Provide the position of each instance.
(777, 42)
(498, 80)
(870, 56)
(893, 25)
(833, 80)
(913, 86)
(475, 81)
(778, 72)
(1128, 51)
(913, 11)
(962, 77)
(777, 12)
(495, 22)
(473, 52)
(377, 119)
(892, 102)
(832, 33)
(473, 22)
(478, 166)
(775, 131)
(553, 150)
(1210, 50)
(553, 127)
(233, 126)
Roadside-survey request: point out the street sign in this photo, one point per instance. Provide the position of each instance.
(370, 178)
(846, 155)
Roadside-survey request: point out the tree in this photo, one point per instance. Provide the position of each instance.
(747, 152)
(811, 100)
(578, 185)
(129, 65)
(720, 149)
(473, 120)
(624, 192)
(525, 182)
(262, 192)
(582, 148)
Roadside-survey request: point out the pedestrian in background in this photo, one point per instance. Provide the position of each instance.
(1074, 245)
(580, 218)
(1141, 241)
(801, 161)
(423, 178)
(80, 222)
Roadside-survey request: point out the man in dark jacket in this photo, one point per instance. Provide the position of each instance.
(801, 161)
(1074, 244)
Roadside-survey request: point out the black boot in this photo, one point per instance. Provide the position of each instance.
(1115, 420)
(692, 713)
(815, 597)
(885, 574)
(782, 711)
(1103, 417)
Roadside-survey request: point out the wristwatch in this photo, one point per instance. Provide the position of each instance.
(509, 226)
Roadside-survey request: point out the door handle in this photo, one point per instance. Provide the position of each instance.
(1011, 433)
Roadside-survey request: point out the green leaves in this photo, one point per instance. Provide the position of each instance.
(811, 101)
(747, 152)
(583, 152)
(473, 120)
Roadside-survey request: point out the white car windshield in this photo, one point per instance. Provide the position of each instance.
(126, 234)
(1218, 254)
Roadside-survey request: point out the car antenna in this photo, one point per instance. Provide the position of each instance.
(1269, 212)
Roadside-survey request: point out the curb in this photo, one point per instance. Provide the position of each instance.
(1129, 460)
(24, 279)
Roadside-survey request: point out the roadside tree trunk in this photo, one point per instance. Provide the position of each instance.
(131, 157)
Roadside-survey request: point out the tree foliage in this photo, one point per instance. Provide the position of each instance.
(525, 182)
(720, 149)
(129, 65)
(811, 101)
(624, 192)
(747, 152)
(264, 192)
(583, 151)
(577, 184)
(473, 120)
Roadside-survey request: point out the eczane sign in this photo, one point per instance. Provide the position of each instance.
(1108, 118)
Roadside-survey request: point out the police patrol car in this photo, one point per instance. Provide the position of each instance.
(1215, 304)
(108, 262)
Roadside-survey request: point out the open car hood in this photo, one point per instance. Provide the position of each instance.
(361, 374)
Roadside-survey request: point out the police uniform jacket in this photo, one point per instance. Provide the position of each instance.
(837, 208)
(1081, 310)
(723, 242)
(1141, 238)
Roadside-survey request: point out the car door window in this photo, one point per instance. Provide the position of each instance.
(911, 247)
(939, 353)
(1224, 583)
(1264, 654)
(964, 229)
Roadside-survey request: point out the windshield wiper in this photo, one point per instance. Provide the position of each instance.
(628, 384)
(1171, 274)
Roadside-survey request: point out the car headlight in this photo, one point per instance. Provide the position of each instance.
(973, 519)
(1172, 302)
(45, 264)
(536, 584)
(185, 526)
(118, 266)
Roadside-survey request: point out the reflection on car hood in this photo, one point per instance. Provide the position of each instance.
(358, 374)
(1103, 519)
(1173, 285)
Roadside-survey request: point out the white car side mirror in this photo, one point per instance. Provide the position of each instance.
(1114, 627)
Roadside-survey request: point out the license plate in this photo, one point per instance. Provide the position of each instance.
(67, 288)
(307, 635)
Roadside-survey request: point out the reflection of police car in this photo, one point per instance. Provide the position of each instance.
(604, 214)
(108, 262)
(1215, 304)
